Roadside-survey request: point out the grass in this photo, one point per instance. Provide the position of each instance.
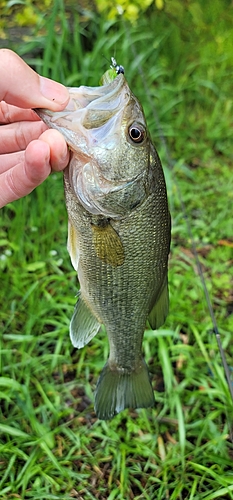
(51, 445)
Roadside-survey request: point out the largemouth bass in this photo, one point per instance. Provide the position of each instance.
(118, 236)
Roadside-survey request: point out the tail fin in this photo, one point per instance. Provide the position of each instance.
(120, 389)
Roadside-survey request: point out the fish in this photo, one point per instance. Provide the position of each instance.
(119, 231)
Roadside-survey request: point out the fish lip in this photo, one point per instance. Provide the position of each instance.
(85, 98)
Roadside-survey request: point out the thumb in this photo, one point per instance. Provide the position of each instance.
(23, 87)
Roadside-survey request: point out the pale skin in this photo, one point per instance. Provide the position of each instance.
(29, 151)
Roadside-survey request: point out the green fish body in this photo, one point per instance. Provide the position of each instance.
(119, 234)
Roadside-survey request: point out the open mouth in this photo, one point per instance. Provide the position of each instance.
(92, 109)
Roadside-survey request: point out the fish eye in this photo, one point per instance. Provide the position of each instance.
(136, 133)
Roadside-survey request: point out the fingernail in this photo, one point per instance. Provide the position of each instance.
(53, 91)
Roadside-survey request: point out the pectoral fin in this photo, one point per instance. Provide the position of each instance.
(108, 245)
(159, 311)
(84, 325)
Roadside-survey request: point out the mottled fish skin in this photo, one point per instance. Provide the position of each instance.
(119, 236)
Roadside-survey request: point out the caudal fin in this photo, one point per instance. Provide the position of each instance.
(120, 389)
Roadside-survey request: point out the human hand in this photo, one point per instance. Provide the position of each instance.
(28, 150)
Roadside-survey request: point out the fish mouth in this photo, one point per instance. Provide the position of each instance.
(92, 117)
(91, 124)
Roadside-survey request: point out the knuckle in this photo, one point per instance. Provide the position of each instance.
(25, 132)
(11, 185)
(5, 112)
(21, 138)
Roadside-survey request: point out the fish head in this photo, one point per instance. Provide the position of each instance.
(106, 131)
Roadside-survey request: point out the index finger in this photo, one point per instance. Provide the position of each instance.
(23, 87)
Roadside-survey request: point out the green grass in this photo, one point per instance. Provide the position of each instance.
(51, 444)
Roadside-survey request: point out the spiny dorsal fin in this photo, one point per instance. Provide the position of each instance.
(107, 243)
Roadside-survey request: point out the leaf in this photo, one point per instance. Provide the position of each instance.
(226, 243)
(11, 383)
(12, 431)
(35, 266)
(159, 4)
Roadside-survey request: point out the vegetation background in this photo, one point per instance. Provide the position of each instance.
(178, 58)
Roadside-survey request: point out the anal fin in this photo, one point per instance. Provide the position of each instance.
(84, 325)
(160, 309)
